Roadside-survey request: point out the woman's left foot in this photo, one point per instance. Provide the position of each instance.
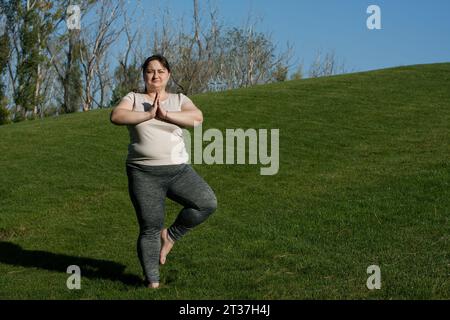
(166, 246)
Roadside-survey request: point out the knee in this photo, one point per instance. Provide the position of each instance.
(209, 205)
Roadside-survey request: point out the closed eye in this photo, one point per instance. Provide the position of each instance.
(159, 71)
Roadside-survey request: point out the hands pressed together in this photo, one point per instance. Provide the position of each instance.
(157, 112)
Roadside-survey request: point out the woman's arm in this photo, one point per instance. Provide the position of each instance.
(123, 114)
(189, 116)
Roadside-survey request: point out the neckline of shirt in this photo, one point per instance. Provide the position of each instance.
(169, 94)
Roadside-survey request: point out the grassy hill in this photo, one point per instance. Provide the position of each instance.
(364, 179)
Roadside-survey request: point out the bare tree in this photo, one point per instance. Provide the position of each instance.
(326, 65)
(103, 82)
(95, 46)
(127, 73)
(64, 49)
(197, 55)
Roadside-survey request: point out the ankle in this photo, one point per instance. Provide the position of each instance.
(169, 237)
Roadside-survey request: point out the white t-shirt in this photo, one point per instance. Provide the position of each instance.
(155, 142)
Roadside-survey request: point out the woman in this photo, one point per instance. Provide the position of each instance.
(157, 165)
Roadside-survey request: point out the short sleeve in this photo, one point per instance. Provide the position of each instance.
(129, 97)
(184, 99)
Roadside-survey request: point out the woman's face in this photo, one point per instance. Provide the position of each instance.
(156, 76)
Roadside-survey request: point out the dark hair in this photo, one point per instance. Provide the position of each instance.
(158, 57)
(164, 63)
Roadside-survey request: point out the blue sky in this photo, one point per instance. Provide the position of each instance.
(413, 32)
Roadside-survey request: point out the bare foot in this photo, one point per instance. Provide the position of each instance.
(166, 246)
(153, 285)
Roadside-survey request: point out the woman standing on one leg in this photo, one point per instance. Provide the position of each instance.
(157, 165)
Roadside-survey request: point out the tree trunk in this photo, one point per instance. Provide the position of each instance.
(88, 101)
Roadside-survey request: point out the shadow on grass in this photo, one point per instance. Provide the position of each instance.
(13, 254)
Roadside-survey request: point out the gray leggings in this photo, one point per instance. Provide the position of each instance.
(148, 187)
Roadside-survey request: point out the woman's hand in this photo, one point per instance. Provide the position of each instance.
(161, 113)
(154, 111)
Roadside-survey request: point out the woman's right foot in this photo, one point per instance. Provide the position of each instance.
(166, 246)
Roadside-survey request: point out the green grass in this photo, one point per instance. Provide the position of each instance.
(364, 179)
